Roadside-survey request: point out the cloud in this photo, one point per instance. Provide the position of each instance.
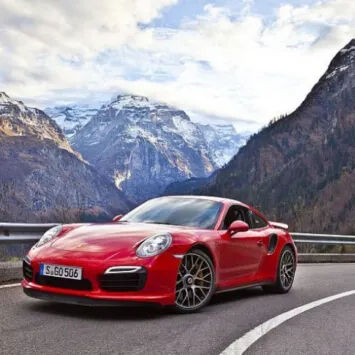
(259, 69)
(41, 41)
(224, 63)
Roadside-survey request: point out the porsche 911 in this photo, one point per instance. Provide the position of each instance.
(171, 251)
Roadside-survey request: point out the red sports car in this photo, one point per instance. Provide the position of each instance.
(177, 251)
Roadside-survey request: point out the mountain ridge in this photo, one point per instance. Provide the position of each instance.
(144, 145)
(295, 167)
(18, 119)
(41, 176)
(137, 143)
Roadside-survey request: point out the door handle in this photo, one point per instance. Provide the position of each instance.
(260, 243)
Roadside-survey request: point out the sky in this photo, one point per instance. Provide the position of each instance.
(223, 61)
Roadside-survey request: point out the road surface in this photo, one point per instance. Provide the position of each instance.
(29, 326)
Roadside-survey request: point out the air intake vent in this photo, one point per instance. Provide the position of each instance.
(27, 270)
(123, 281)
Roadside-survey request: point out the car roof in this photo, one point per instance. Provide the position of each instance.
(211, 198)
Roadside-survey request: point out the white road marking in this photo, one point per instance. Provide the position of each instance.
(239, 346)
(10, 285)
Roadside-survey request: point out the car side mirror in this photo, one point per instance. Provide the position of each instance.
(238, 226)
(117, 218)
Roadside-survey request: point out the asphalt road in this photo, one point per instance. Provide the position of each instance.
(30, 326)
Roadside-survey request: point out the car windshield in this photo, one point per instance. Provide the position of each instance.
(193, 212)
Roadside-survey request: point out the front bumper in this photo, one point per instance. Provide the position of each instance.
(159, 286)
(82, 301)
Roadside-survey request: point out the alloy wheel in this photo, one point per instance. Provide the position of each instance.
(287, 269)
(195, 281)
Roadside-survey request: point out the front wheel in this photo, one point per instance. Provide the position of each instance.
(195, 282)
(285, 272)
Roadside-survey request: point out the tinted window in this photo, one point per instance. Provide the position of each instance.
(235, 213)
(257, 222)
(192, 212)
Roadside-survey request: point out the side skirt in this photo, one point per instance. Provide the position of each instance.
(242, 287)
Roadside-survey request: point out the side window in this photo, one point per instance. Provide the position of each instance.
(235, 213)
(256, 221)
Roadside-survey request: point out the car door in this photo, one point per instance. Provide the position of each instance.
(241, 253)
(260, 228)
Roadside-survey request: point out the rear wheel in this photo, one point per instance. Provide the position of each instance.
(285, 272)
(195, 282)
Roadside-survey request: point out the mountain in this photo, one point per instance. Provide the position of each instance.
(301, 168)
(41, 176)
(189, 186)
(143, 146)
(71, 118)
(223, 142)
(20, 120)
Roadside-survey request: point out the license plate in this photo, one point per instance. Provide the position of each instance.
(65, 272)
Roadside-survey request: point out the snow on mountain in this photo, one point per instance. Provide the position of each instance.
(223, 142)
(18, 119)
(72, 118)
(342, 61)
(133, 101)
(7, 102)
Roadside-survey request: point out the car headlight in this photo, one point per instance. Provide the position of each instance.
(49, 235)
(154, 245)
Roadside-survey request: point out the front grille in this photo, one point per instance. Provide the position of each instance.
(120, 282)
(83, 284)
(27, 270)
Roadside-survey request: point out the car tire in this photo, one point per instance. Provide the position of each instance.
(285, 272)
(195, 283)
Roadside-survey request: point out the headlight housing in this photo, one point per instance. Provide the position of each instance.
(49, 235)
(154, 245)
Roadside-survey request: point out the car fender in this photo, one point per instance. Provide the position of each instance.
(269, 265)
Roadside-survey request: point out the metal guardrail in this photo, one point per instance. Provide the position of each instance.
(18, 233)
(323, 238)
(12, 233)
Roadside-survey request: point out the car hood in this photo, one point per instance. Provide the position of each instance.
(109, 239)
